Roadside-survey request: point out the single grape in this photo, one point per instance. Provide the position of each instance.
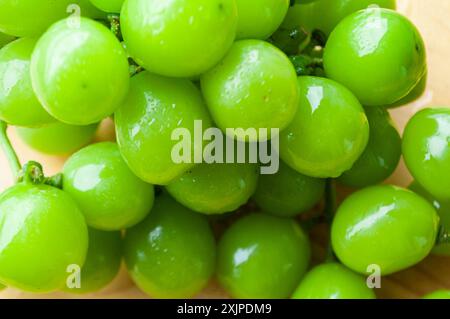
(329, 132)
(80, 74)
(215, 188)
(259, 19)
(333, 281)
(382, 154)
(113, 6)
(288, 193)
(171, 254)
(5, 39)
(57, 138)
(27, 18)
(154, 108)
(110, 196)
(183, 38)
(438, 294)
(42, 232)
(443, 209)
(387, 226)
(254, 87)
(18, 103)
(102, 261)
(416, 93)
(363, 54)
(325, 15)
(426, 150)
(262, 256)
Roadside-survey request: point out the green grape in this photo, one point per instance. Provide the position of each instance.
(25, 18)
(110, 196)
(113, 6)
(102, 261)
(183, 38)
(426, 150)
(171, 254)
(443, 209)
(288, 193)
(80, 74)
(57, 138)
(2, 287)
(254, 87)
(325, 15)
(5, 39)
(382, 154)
(18, 103)
(329, 132)
(215, 188)
(259, 19)
(363, 54)
(333, 281)
(417, 92)
(387, 226)
(438, 294)
(262, 257)
(154, 108)
(42, 233)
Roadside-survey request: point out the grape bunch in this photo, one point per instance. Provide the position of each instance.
(321, 76)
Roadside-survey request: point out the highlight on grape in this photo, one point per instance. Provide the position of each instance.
(211, 145)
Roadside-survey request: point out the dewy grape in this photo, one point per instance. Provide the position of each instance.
(263, 151)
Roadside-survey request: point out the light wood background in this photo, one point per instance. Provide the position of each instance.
(432, 17)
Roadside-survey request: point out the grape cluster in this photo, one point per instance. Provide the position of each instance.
(322, 73)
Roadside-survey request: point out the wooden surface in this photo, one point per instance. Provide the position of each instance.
(432, 18)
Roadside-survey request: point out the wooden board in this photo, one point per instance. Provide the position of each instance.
(432, 17)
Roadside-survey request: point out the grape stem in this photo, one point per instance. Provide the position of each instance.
(9, 151)
(329, 211)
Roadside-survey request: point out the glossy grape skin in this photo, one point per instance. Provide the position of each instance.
(42, 232)
(253, 254)
(383, 225)
(57, 138)
(259, 19)
(154, 108)
(215, 188)
(333, 281)
(443, 210)
(253, 87)
(288, 193)
(426, 150)
(416, 93)
(438, 294)
(184, 38)
(377, 69)
(18, 103)
(5, 39)
(110, 196)
(25, 18)
(382, 154)
(113, 6)
(74, 85)
(325, 15)
(329, 132)
(102, 261)
(172, 253)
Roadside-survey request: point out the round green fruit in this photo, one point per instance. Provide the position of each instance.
(426, 150)
(329, 132)
(113, 6)
(439, 294)
(387, 226)
(262, 256)
(333, 281)
(288, 193)
(363, 54)
(57, 138)
(72, 96)
(43, 233)
(172, 253)
(110, 196)
(5, 39)
(148, 119)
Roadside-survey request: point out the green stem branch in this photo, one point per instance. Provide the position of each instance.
(9, 151)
